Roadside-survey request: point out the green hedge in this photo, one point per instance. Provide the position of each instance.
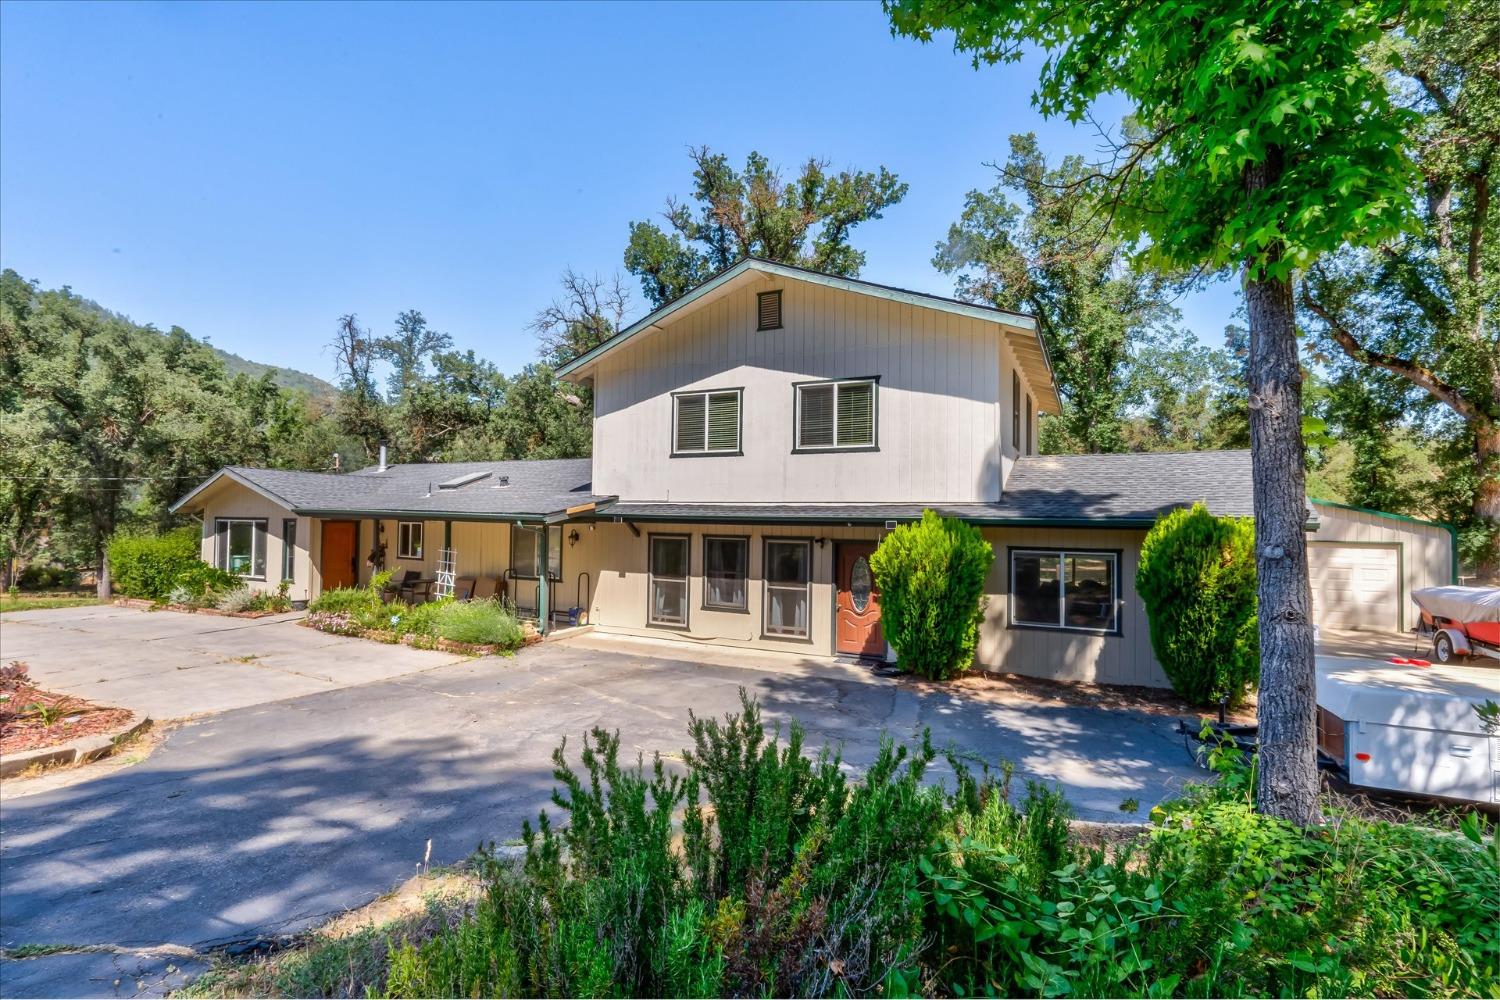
(931, 578)
(147, 566)
(1197, 583)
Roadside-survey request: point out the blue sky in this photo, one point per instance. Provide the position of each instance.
(251, 172)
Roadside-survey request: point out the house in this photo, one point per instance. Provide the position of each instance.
(753, 441)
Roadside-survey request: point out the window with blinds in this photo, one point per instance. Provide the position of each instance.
(706, 423)
(768, 310)
(836, 414)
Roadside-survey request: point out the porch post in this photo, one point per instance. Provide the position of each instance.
(544, 559)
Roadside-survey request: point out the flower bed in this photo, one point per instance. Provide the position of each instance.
(342, 623)
(31, 718)
(477, 628)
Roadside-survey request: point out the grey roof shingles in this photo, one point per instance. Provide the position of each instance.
(1120, 489)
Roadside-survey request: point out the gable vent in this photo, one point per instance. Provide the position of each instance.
(768, 310)
(464, 480)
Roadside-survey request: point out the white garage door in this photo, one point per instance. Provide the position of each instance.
(1355, 586)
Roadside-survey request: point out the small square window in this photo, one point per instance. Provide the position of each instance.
(768, 310)
(409, 540)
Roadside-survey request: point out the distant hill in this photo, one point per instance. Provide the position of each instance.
(287, 378)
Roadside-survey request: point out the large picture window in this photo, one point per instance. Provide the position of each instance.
(726, 569)
(1064, 589)
(706, 423)
(669, 580)
(241, 546)
(526, 551)
(788, 575)
(288, 549)
(409, 540)
(832, 415)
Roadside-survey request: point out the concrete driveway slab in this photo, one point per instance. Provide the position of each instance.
(268, 818)
(171, 665)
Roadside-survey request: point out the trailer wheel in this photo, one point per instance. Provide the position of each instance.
(1442, 649)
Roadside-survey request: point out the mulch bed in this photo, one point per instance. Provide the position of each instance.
(22, 728)
(1001, 688)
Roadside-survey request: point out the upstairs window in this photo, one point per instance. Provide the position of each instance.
(1030, 446)
(768, 310)
(706, 423)
(409, 540)
(1015, 411)
(833, 415)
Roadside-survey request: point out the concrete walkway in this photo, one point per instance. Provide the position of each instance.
(172, 665)
(266, 819)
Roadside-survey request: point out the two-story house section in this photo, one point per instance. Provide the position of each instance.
(753, 442)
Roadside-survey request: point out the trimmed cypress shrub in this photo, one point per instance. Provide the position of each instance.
(931, 577)
(1197, 582)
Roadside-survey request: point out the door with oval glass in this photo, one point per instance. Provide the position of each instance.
(857, 617)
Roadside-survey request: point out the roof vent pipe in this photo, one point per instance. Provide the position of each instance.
(381, 468)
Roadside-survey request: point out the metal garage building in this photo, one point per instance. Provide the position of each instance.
(1364, 564)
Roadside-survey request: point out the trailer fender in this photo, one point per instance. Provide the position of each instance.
(1452, 642)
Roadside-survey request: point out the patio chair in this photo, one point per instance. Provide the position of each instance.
(463, 588)
(394, 585)
(484, 588)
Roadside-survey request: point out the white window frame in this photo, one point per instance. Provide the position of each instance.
(652, 578)
(806, 588)
(1112, 555)
(222, 527)
(744, 606)
(739, 422)
(404, 538)
(873, 381)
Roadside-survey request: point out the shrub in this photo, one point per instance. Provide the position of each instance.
(1197, 582)
(931, 578)
(239, 599)
(146, 566)
(46, 577)
(201, 583)
(344, 600)
(481, 623)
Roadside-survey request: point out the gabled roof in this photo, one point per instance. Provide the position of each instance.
(532, 490)
(1033, 353)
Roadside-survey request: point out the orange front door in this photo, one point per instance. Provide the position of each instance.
(857, 619)
(339, 542)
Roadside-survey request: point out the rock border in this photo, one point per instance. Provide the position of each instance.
(84, 748)
(144, 605)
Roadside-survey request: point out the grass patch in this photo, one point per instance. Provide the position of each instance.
(39, 602)
(21, 951)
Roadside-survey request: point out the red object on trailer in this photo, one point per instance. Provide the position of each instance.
(1463, 621)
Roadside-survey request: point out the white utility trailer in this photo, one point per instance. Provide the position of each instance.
(1410, 728)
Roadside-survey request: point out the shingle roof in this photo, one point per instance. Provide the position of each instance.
(530, 488)
(1118, 489)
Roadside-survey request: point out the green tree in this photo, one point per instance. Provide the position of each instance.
(1053, 256)
(360, 410)
(1421, 306)
(806, 220)
(1259, 139)
(1196, 579)
(1182, 395)
(408, 350)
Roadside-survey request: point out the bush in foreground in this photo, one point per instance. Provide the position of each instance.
(147, 566)
(783, 878)
(1197, 582)
(931, 578)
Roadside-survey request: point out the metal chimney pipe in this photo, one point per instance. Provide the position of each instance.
(382, 457)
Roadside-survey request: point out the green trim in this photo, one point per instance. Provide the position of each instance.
(1401, 595)
(603, 515)
(986, 313)
(1450, 528)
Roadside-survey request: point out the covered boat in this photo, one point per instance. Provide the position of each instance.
(1463, 621)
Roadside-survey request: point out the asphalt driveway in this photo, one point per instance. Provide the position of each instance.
(264, 819)
(171, 665)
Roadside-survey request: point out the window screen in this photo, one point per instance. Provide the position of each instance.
(836, 414)
(706, 422)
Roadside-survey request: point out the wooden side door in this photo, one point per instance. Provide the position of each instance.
(339, 563)
(857, 616)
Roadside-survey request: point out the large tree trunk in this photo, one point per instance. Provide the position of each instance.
(1288, 785)
(1487, 495)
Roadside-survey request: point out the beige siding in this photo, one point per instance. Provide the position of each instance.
(230, 499)
(944, 408)
(1425, 550)
(1126, 658)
